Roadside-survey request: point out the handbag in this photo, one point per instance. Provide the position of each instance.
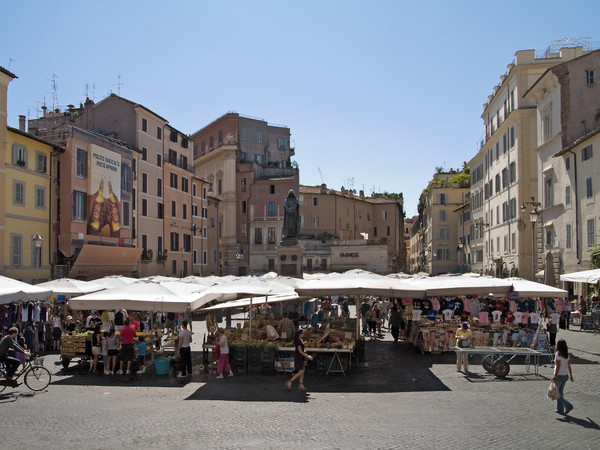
(553, 393)
(216, 351)
(464, 343)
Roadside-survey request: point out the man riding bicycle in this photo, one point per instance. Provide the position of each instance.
(7, 346)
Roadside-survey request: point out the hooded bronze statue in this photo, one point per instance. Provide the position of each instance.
(291, 219)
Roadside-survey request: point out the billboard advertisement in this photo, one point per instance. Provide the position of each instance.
(104, 193)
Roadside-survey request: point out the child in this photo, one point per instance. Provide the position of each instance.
(20, 355)
(105, 362)
(141, 351)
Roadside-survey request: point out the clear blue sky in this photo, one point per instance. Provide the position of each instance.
(376, 93)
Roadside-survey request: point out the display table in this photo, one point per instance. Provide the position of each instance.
(335, 364)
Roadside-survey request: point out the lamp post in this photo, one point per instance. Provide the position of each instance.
(533, 216)
(460, 249)
(37, 241)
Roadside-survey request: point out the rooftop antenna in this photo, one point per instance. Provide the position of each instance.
(10, 60)
(54, 92)
(321, 175)
(555, 46)
(119, 84)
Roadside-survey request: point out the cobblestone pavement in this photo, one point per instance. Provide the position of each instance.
(396, 398)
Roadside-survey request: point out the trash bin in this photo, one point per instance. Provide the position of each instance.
(162, 366)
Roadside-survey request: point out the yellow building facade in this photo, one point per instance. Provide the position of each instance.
(28, 204)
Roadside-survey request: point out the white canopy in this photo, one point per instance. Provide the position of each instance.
(586, 276)
(255, 301)
(12, 290)
(461, 285)
(358, 282)
(142, 296)
(527, 288)
(70, 286)
(113, 281)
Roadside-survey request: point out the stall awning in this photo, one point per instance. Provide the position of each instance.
(96, 261)
(242, 302)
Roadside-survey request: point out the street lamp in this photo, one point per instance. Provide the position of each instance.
(533, 216)
(37, 241)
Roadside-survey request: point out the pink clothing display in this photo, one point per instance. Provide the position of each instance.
(483, 317)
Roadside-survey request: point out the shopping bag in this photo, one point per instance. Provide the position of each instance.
(553, 393)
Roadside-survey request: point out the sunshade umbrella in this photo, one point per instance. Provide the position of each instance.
(14, 290)
(113, 281)
(585, 276)
(140, 296)
(461, 285)
(527, 288)
(70, 286)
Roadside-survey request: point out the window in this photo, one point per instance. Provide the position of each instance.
(40, 197)
(568, 237)
(144, 207)
(498, 185)
(173, 208)
(442, 215)
(19, 156)
(194, 189)
(158, 186)
(204, 232)
(184, 184)
(144, 183)
(126, 214)
(243, 206)
(41, 160)
(513, 239)
(444, 233)
(172, 157)
(280, 143)
(548, 193)
(187, 243)
(591, 223)
(568, 163)
(243, 134)
(258, 235)
(173, 180)
(315, 201)
(512, 137)
(271, 189)
(374, 231)
(82, 163)
(159, 160)
(79, 202)
(586, 153)
(205, 256)
(271, 209)
(243, 185)
(195, 257)
(588, 188)
(175, 242)
(184, 211)
(211, 142)
(271, 235)
(174, 266)
(220, 136)
(204, 193)
(144, 154)
(126, 178)
(259, 137)
(144, 125)
(160, 210)
(158, 133)
(388, 230)
(315, 221)
(568, 195)
(512, 169)
(384, 214)
(16, 249)
(173, 136)
(183, 162)
(547, 123)
(589, 77)
(204, 212)
(442, 199)
(513, 208)
(443, 253)
(243, 230)
(505, 177)
(220, 187)
(18, 193)
(184, 142)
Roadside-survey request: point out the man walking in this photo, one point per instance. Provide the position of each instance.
(184, 350)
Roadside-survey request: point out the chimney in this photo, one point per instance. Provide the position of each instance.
(44, 108)
(22, 122)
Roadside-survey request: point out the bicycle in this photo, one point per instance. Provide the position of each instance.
(36, 376)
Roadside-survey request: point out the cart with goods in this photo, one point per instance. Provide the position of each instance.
(75, 346)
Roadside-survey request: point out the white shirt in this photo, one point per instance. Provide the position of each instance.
(416, 315)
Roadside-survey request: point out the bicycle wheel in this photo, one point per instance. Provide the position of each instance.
(2, 377)
(38, 378)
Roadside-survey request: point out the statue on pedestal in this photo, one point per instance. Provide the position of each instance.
(291, 219)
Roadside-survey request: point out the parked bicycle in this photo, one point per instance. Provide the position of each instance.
(36, 376)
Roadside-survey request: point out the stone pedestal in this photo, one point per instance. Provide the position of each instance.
(289, 260)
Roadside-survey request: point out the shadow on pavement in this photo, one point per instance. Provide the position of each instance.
(589, 423)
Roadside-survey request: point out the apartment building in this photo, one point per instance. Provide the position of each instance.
(341, 230)
(440, 210)
(417, 249)
(162, 174)
(408, 224)
(463, 231)
(567, 100)
(504, 172)
(5, 78)
(92, 221)
(28, 199)
(247, 165)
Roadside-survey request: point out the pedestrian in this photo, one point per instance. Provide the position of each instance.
(223, 363)
(299, 356)
(395, 322)
(96, 348)
(364, 309)
(294, 315)
(8, 346)
(562, 372)
(70, 326)
(105, 350)
(141, 352)
(286, 328)
(463, 340)
(56, 331)
(372, 320)
(184, 350)
(126, 336)
(552, 330)
(111, 343)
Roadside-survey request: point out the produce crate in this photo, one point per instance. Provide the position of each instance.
(284, 365)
